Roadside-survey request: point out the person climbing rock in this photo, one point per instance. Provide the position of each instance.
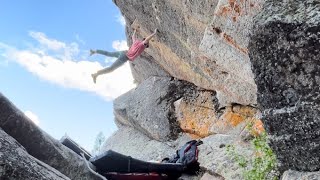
(138, 46)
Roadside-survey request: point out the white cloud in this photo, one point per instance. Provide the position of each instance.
(79, 39)
(5, 50)
(3, 60)
(121, 20)
(34, 118)
(120, 45)
(49, 43)
(63, 71)
(68, 51)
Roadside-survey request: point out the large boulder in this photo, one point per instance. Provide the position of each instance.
(17, 164)
(203, 42)
(149, 108)
(285, 55)
(41, 145)
(131, 142)
(161, 107)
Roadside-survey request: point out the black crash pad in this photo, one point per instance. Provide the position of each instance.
(111, 161)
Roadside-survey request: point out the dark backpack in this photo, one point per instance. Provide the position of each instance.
(186, 155)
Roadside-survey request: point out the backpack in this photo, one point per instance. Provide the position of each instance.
(186, 155)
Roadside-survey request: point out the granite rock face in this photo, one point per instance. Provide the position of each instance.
(149, 108)
(197, 112)
(296, 175)
(199, 115)
(214, 158)
(136, 144)
(39, 144)
(202, 42)
(144, 67)
(17, 164)
(162, 107)
(285, 55)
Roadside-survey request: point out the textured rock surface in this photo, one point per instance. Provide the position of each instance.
(221, 63)
(213, 157)
(208, 176)
(133, 143)
(197, 113)
(296, 175)
(233, 119)
(39, 144)
(225, 45)
(284, 51)
(149, 107)
(17, 164)
(161, 107)
(144, 67)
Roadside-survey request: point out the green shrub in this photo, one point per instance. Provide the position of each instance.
(260, 166)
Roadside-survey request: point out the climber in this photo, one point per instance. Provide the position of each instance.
(134, 51)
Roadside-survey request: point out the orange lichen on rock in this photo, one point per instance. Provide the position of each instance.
(257, 127)
(232, 117)
(233, 8)
(236, 6)
(196, 122)
(197, 117)
(233, 43)
(246, 111)
(196, 128)
(224, 10)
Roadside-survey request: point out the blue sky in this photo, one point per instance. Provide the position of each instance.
(45, 68)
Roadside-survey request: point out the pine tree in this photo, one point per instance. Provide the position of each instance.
(100, 138)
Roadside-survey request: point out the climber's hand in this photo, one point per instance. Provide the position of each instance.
(155, 31)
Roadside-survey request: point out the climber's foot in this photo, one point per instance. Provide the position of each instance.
(94, 77)
(92, 52)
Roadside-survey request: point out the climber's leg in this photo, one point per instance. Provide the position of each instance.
(106, 53)
(119, 62)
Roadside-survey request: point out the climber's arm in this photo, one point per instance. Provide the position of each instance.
(134, 35)
(146, 41)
